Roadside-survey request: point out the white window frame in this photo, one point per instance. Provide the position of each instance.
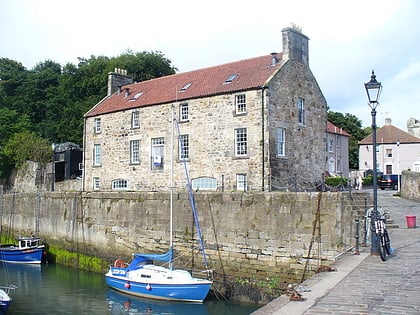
(96, 183)
(330, 145)
(281, 142)
(120, 184)
(204, 183)
(135, 151)
(135, 119)
(97, 125)
(158, 147)
(184, 147)
(241, 142)
(97, 155)
(184, 112)
(301, 110)
(240, 104)
(241, 182)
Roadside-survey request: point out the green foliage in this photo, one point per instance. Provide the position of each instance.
(26, 145)
(47, 103)
(336, 181)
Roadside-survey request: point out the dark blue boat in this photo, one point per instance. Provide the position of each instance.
(29, 250)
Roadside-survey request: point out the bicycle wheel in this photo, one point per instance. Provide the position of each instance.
(387, 242)
(382, 247)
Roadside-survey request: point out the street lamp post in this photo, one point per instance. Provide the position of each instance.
(398, 166)
(373, 90)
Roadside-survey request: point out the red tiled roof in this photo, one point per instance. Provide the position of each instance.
(251, 73)
(331, 128)
(390, 134)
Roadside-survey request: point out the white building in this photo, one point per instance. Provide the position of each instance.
(396, 151)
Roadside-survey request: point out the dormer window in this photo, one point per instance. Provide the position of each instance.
(231, 78)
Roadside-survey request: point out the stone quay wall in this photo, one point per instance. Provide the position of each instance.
(261, 235)
(410, 185)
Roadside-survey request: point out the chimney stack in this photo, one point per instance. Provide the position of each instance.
(295, 44)
(117, 79)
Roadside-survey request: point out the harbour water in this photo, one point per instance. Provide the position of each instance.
(54, 289)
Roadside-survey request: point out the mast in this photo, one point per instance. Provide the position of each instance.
(171, 188)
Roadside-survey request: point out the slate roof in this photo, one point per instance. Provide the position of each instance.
(250, 74)
(331, 128)
(390, 134)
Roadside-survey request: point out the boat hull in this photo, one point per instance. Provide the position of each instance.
(22, 256)
(187, 292)
(5, 301)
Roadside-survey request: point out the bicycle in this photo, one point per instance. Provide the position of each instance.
(383, 237)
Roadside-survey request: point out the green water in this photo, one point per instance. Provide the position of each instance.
(54, 289)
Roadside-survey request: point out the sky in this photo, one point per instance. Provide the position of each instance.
(348, 39)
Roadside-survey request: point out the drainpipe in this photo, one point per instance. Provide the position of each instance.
(262, 137)
(84, 155)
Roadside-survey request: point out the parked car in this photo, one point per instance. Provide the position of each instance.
(388, 181)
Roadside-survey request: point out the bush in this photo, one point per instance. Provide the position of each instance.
(336, 181)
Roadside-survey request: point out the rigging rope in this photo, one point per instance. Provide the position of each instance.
(191, 197)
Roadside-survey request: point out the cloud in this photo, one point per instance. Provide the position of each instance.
(347, 39)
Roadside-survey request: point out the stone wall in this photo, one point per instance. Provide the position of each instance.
(249, 235)
(410, 185)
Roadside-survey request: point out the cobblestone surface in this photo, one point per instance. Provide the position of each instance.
(370, 286)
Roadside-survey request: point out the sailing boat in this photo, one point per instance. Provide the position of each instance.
(144, 277)
(5, 299)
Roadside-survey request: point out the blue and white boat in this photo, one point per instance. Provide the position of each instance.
(145, 279)
(146, 276)
(5, 299)
(28, 250)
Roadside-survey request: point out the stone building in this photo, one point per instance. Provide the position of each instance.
(254, 124)
(337, 150)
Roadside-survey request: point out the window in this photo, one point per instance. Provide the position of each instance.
(301, 111)
(135, 119)
(135, 151)
(184, 147)
(157, 153)
(330, 145)
(388, 153)
(97, 159)
(96, 183)
(120, 184)
(240, 104)
(204, 183)
(281, 138)
(97, 125)
(185, 87)
(241, 183)
(183, 112)
(231, 78)
(241, 142)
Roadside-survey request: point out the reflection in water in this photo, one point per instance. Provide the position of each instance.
(120, 303)
(54, 289)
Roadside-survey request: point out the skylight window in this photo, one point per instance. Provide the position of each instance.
(231, 78)
(138, 95)
(185, 87)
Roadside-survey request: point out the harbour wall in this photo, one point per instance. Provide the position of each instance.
(259, 236)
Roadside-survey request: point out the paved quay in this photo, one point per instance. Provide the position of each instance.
(364, 284)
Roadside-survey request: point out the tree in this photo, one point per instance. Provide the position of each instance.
(26, 145)
(353, 126)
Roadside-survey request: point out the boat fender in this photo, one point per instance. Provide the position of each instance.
(148, 287)
(127, 285)
(119, 263)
